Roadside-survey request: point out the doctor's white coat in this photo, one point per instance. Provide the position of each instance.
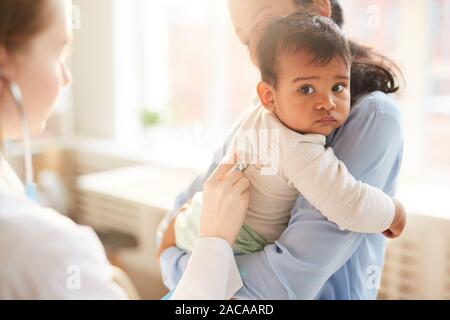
(44, 255)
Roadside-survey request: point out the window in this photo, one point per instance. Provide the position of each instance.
(181, 60)
(438, 106)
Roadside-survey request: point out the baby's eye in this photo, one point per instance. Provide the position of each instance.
(339, 88)
(306, 90)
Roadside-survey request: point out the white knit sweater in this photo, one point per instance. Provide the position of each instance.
(287, 164)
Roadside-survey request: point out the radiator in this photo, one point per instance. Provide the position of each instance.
(417, 265)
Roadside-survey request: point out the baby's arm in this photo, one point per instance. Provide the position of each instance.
(326, 183)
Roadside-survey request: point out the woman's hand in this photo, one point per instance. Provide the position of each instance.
(226, 197)
(168, 241)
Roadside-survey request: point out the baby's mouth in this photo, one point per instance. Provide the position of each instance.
(327, 120)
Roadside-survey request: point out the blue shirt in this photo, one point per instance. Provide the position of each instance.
(313, 259)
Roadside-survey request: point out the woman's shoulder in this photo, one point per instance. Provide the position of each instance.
(377, 105)
(374, 124)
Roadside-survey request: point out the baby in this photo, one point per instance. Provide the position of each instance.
(305, 64)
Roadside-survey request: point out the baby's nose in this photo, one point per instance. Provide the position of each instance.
(326, 104)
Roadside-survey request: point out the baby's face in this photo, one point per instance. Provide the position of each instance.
(310, 98)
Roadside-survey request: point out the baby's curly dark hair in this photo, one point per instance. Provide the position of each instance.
(318, 36)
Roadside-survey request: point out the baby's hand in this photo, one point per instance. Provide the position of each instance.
(399, 222)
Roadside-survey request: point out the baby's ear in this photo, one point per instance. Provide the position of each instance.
(266, 95)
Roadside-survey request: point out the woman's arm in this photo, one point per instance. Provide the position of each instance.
(312, 249)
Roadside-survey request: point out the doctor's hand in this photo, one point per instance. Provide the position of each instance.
(226, 197)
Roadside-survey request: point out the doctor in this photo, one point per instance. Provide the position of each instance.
(43, 254)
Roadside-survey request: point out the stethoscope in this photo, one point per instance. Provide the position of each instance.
(30, 186)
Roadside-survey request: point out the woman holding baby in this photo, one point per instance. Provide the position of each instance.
(311, 259)
(314, 258)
